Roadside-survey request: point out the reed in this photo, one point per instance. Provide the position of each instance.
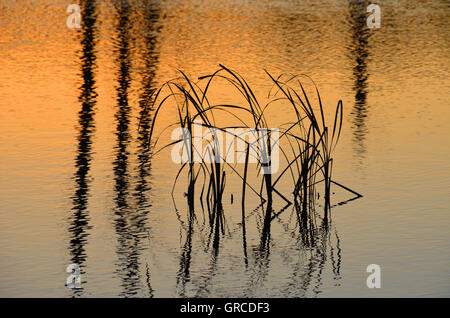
(306, 144)
(316, 153)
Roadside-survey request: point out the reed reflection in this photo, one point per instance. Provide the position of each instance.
(183, 275)
(150, 56)
(127, 249)
(359, 52)
(216, 230)
(132, 204)
(311, 250)
(313, 247)
(316, 240)
(79, 220)
(261, 253)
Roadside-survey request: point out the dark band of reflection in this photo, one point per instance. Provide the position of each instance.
(359, 52)
(151, 12)
(79, 220)
(130, 219)
(183, 275)
(316, 247)
(310, 242)
(215, 232)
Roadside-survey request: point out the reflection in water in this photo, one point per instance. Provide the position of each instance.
(309, 251)
(151, 12)
(307, 274)
(317, 240)
(130, 220)
(328, 40)
(359, 51)
(127, 252)
(203, 286)
(131, 198)
(79, 220)
(314, 247)
(215, 232)
(212, 242)
(260, 269)
(183, 275)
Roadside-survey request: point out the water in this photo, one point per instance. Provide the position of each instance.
(73, 190)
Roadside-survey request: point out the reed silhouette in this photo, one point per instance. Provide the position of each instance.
(306, 145)
(310, 139)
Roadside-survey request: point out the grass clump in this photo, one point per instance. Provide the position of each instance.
(306, 144)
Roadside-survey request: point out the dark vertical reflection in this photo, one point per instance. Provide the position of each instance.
(216, 231)
(316, 240)
(265, 234)
(183, 275)
(336, 257)
(262, 254)
(131, 217)
(79, 220)
(151, 13)
(316, 247)
(127, 252)
(310, 253)
(359, 52)
(203, 288)
(244, 236)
